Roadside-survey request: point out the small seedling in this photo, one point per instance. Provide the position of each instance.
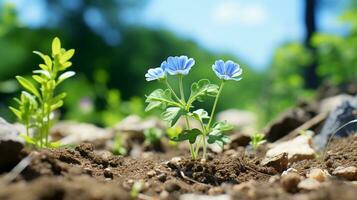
(136, 188)
(175, 106)
(37, 104)
(256, 140)
(118, 148)
(153, 135)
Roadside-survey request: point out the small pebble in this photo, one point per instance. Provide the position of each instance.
(172, 186)
(290, 181)
(108, 173)
(162, 177)
(349, 173)
(309, 184)
(151, 173)
(164, 194)
(317, 174)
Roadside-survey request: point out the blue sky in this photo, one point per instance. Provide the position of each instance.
(250, 30)
(247, 29)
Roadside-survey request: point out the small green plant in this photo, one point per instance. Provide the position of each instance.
(118, 148)
(176, 106)
(153, 135)
(36, 105)
(256, 140)
(136, 188)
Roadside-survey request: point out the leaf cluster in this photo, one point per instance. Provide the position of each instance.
(38, 101)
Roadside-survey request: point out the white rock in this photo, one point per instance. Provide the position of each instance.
(331, 103)
(134, 123)
(349, 173)
(244, 120)
(317, 174)
(309, 184)
(297, 149)
(74, 133)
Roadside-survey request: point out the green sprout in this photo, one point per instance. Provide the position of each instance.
(136, 188)
(119, 148)
(36, 105)
(256, 140)
(153, 135)
(176, 105)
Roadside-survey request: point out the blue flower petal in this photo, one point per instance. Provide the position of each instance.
(155, 74)
(178, 65)
(227, 70)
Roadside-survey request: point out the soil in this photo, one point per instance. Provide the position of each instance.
(84, 173)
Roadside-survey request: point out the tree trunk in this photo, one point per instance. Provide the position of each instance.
(311, 79)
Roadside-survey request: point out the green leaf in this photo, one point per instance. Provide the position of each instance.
(58, 104)
(16, 112)
(65, 76)
(172, 114)
(218, 137)
(202, 88)
(159, 98)
(190, 135)
(65, 65)
(46, 59)
(43, 72)
(55, 145)
(223, 127)
(28, 139)
(200, 114)
(38, 78)
(56, 46)
(67, 55)
(57, 98)
(28, 86)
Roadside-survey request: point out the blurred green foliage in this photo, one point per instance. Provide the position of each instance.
(113, 57)
(337, 53)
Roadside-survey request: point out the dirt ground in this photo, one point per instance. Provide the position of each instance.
(81, 173)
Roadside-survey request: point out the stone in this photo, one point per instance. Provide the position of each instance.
(171, 186)
(243, 120)
(174, 163)
(135, 124)
(290, 181)
(11, 145)
(349, 173)
(151, 173)
(108, 173)
(75, 133)
(278, 162)
(309, 184)
(317, 174)
(335, 124)
(289, 170)
(289, 121)
(331, 103)
(297, 149)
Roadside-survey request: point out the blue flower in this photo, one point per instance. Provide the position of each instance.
(178, 65)
(155, 74)
(227, 70)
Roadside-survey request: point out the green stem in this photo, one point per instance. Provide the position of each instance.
(181, 89)
(214, 106)
(192, 150)
(172, 90)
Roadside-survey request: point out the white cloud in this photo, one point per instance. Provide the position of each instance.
(234, 12)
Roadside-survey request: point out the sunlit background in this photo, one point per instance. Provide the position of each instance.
(286, 48)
